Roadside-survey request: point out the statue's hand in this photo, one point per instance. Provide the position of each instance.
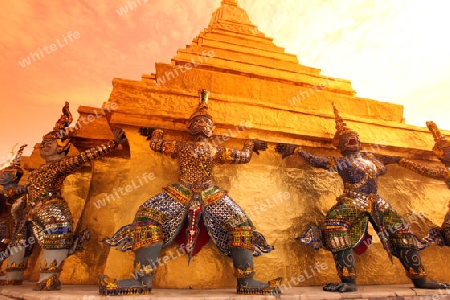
(146, 131)
(285, 149)
(150, 133)
(259, 145)
(21, 189)
(119, 136)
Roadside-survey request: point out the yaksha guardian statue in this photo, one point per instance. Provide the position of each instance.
(49, 215)
(442, 150)
(12, 221)
(194, 199)
(347, 221)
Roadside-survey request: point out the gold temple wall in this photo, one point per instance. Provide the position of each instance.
(252, 83)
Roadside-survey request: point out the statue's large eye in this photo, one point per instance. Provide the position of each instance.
(46, 142)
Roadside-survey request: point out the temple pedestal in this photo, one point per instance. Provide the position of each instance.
(90, 292)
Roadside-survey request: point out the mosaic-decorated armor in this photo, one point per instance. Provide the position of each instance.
(440, 235)
(48, 213)
(196, 200)
(12, 231)
(346, 223)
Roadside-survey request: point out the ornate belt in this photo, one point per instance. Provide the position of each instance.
(360, 200)
(197, 186)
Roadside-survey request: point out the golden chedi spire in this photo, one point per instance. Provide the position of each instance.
(230, 2)
(229, 16)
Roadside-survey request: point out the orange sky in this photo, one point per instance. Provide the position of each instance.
(394, 51)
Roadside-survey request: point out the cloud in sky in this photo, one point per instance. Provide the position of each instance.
(393, 51)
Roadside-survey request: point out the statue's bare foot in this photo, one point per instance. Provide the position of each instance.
(125, 283)
(249, 286)
(112, 287)
(422, 283)
(340, 287)
(52, 283)
(252, 284)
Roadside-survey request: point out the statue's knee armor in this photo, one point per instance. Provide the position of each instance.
(147, 228)
(6, 229)
(337, 234)
(403, 240)
(242, 237)
(52, 224)
(241, 244)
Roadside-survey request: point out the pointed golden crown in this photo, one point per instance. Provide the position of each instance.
(437, 135)
(202, 109)
(440, 141)
(14, 160)
(341, 126)
(18, 156)
(12, 166)
(59, 130)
